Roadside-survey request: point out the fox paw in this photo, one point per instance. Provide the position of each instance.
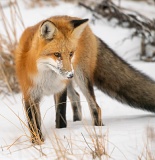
(98, 123)
(77, 118)
(37, 140)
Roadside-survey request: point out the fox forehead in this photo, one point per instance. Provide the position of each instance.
(63, 24)
(61, 45)
(60, 34)
(63, 40)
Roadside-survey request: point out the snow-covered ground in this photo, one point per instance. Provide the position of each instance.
(125, 128)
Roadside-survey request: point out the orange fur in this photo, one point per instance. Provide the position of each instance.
(32, 46)
(44, 61)
(49, 54)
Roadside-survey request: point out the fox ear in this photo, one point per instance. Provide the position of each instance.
(79, 26)
(47, 30)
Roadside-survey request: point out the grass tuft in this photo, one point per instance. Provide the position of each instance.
(8, 43)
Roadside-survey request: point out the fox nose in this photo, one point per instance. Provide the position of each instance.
(70, 75)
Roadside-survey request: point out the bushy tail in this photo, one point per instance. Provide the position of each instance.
(121, 81)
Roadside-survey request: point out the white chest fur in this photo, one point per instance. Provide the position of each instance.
(47, 82)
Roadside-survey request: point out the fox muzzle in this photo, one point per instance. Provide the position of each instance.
(70, 75)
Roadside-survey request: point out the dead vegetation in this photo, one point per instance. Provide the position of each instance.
(96, 144)
(92, 144)
(39, 3)
(143, 26)
(148, 152)
(8, 42)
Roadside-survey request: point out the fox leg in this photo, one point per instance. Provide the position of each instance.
(34, 120)
(75, 102)
(87, 89)
(60, 101)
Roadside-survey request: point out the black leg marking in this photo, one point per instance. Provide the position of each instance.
(86, 87)
(90, 88)
(95, 111)
(75, 102)
(34, 121)
(60, 99)
(76, 113)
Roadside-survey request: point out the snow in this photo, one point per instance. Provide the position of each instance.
(125, 128)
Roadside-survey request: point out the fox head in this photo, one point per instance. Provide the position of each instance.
(58, 41)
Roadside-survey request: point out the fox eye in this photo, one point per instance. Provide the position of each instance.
(71, 54)
(57, 54)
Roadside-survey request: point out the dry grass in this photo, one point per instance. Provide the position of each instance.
(92, 144)
(97, 142)
(8, 42)
(8, 84)
(95, 145)
(148, 152)
(40, 3)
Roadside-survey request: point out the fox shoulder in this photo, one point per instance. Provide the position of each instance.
(26, 39)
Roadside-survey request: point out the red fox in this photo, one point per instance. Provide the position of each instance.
(62, 49)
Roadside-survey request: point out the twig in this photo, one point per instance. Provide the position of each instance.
(144, 27)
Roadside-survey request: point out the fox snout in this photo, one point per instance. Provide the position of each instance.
(70, 75)
(67, 74)
(65, 69)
